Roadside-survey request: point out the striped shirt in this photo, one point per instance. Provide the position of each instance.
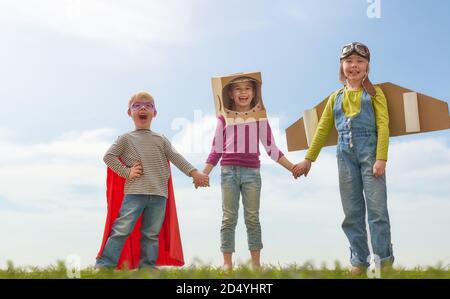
(152, 150)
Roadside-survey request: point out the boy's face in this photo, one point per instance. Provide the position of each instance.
(142, 112)
(355, 67)
(242, 94)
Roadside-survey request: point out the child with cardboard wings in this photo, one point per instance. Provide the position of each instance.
(359, 113)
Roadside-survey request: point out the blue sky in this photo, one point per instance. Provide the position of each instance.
(67, 80)
(68, 68)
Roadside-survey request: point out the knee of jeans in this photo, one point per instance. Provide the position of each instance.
(229, 220)
(349, 225)
(377, 214)
(121, 230)
(353, 215)
(252, 219)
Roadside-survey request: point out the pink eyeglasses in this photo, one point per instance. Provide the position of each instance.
(136, 106)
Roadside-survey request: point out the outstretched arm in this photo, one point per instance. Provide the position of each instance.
(283, 161)
(208, 168)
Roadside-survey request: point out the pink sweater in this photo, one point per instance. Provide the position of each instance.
(238, 144)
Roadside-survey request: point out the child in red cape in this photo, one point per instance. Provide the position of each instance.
(140, 195)
(170, 248)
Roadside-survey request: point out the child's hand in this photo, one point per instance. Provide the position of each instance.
(301, 168)
(379, 167)
(296, 172)
(136, 170)
(200, 179)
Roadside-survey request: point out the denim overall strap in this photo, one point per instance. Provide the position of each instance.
(362, 124)
(356, 155)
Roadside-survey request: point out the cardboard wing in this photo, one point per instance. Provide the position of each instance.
(223, 103)
(409, 113)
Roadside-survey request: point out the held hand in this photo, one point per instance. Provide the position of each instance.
(136, 170)
(296, 171)
(200, 179)
(301, 168)
(379, 168)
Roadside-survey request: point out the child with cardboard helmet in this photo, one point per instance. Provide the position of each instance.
(244, 123)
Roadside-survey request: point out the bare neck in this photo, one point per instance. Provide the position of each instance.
(354, 85)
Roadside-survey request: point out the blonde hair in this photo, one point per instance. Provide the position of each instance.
(140, 95)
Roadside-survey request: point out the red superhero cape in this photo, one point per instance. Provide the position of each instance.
(170, 248)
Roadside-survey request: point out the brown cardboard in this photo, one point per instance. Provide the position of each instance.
(219, 88)
(433, 115)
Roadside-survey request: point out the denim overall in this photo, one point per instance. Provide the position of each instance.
(356, 155)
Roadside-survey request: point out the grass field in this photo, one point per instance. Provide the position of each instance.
(305, 271)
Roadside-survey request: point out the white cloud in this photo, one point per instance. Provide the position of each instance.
(52, 197)
(424, 158)
(40, 239)
(120, 22)
(58, 187)
(56, 173)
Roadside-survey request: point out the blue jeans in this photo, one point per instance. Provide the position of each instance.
(152, 208)
(237, 180)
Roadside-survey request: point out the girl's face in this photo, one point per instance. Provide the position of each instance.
(355, 67)
(242, 94)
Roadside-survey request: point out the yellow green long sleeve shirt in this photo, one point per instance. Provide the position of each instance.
(351, 104)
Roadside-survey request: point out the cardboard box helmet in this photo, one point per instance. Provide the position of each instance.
(224, 104)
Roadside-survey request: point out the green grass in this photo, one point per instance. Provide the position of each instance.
(201, 271)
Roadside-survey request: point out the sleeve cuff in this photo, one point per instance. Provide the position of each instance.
(188, 173)
(213, 162)
(310, 158)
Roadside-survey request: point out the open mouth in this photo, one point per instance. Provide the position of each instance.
(143, 117)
